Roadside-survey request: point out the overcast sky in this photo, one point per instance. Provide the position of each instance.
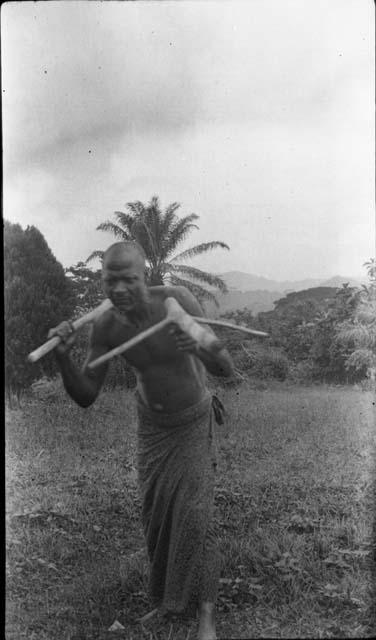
(257, 115)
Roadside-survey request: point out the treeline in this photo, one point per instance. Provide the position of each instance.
(38, 294)
(321, 334)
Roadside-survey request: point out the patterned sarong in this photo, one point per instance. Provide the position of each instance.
(176, 466)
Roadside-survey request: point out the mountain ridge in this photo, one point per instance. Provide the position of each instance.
(242, 281)
(258, 293)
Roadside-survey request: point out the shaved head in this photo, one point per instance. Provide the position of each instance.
(123, 277)
(123, 252)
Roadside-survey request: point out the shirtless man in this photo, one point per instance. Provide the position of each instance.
(169, 365)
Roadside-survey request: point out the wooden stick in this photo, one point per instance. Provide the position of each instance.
(130, 343)
(175, 315)
(230, 325)
(53, 342)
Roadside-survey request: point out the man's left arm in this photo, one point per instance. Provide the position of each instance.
(216, 360)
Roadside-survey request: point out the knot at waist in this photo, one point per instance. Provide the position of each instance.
(177, 418)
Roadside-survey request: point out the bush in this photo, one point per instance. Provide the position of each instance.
(304, 372)
(262, 361)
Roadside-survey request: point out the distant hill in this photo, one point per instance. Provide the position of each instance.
(339, 281)
(249, 282)
(257, 293)
(256, 301)
(320, 294)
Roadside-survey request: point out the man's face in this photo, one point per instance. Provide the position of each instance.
(123, 278)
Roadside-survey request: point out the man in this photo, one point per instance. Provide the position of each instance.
(176, 447)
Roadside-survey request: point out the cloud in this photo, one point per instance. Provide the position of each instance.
(258, 116)
(269, 191)
(28, 190)
(92, 69)
(82, 69)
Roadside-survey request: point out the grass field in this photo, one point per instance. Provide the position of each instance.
(295, 505)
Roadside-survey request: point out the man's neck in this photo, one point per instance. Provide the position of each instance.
(137, 316)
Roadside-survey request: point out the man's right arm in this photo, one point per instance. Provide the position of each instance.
(83, 385)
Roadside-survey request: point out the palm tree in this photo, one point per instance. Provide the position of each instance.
(159, 233)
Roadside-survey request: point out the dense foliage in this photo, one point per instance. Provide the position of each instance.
(320, 334)
(324, 334)
(358, 332)
(87, 287)
(159, 233)
(37, 296)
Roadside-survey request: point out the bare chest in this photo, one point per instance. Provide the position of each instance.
(156, 349)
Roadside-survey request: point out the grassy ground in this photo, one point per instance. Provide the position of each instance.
(294, 502)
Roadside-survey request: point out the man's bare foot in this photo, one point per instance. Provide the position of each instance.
(206, 622)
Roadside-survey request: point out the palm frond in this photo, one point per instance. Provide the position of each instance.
(361, 359)
(167, 223)
(136, 208)
(199, 292)
(183, 222)
(174, 206)
(165, 231)
(143, 234)
(154, 203)
(179, 232)
(94, 255)
(143, 221)
(110, 227)
(159, 233)
(154, 222)
(358, 334)
(197, 274)
(126, 220)
(200, 248)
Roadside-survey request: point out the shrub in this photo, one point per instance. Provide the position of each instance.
(262, 361)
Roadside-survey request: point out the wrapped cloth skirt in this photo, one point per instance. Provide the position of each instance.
(176, 469)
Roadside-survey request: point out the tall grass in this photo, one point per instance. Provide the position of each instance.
(294, 502)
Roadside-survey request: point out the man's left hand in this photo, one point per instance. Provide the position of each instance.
(183, 341)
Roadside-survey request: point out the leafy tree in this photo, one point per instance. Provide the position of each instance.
(359, 331)
(241, 317)
(370, 289)
(37, 296)
(322, 333)
(329, 353)
(87, 286)
(321, 295)
(292, 323)
(160, 233)
(253, 356)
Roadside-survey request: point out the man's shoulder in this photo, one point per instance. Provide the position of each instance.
(180, 293)
(165, 291)
(184, 297)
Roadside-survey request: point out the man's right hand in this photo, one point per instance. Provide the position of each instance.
(67, 336)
